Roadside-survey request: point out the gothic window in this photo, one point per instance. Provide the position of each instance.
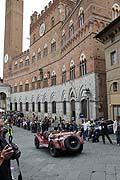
(83, 68)
(53, 107)
(11, 89)
(71, 29)
(33, 58)
(63, 40)
(15, 89)
(45, 107)
(53, 46)
(115, 11)
(27, 106)
(39, 106)
(21, 63)
(45, 82)
(33, 85)
(41, 73)
(52, 21)
(38, 84)
(72, 70)
(45, 51)
(27, 62)
(21, 88)
(39, 54)
(53, 79)
(64, 107)
(81, 17)
(26, 87)
(63, 74)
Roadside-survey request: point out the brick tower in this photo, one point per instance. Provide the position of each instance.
(13, 28)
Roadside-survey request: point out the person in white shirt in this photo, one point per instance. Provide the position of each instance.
(116, 129)
(85, 128)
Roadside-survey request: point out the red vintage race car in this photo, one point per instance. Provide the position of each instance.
(59, 141)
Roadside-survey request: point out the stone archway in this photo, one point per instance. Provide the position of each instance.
(3, 103)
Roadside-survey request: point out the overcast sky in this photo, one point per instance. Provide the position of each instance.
(29, 7)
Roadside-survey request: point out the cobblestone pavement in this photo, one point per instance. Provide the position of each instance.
(97, 162)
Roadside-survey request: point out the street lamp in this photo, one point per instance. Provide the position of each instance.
(87, 91)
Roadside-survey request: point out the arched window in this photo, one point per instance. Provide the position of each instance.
(72, 70)
(64, 107)
(63, 41)
(33, 58)
(38, 84)
(39, 106)
(71, 29)
(115, 11)
(39, 54)
(83, 68)
(15, 88)
(34, 83)
(115, 87)
(52, 21)
(21, 63)
(45, 106)
(45, 81)
(27, 62)
(27, 106)
(26, 86)
(53, 107)
(53, 46)
(45, 50)
(64, 74)
(33, 107)
(21, 87)
(53, 78)
(81, 17)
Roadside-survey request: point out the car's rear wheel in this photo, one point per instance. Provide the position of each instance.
(36, 142)
(72, 143)
(53, 150)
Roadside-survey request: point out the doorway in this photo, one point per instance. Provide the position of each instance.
(73, 114)
(84, 107)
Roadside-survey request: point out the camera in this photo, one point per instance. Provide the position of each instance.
(16, 151)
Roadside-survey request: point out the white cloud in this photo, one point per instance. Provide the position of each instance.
(29, 7)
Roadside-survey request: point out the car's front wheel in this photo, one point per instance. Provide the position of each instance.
(36, 142)
(53, 150)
